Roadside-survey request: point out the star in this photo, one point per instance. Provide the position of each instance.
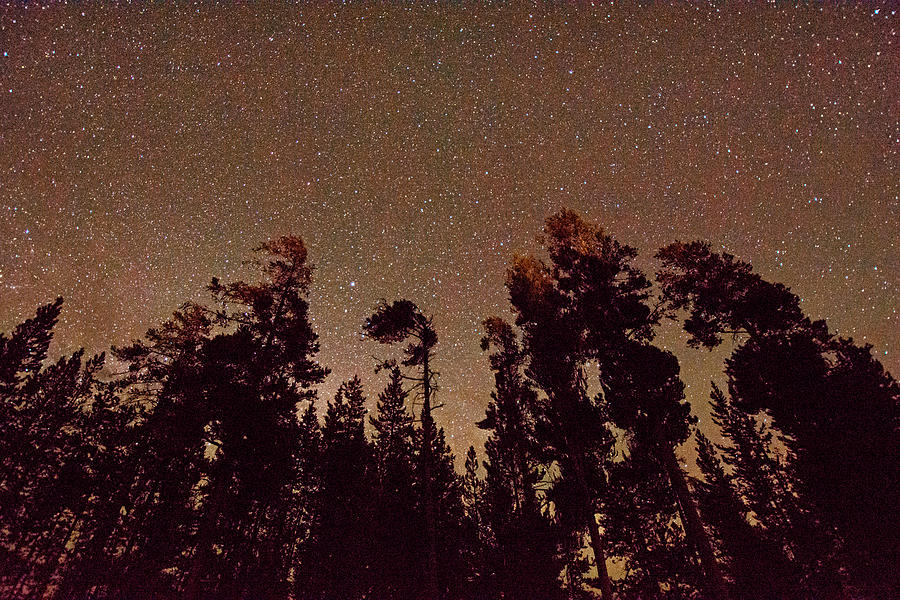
(418, 149)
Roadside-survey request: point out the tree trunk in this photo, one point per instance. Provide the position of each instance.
(651, 581)
(431, 583)
(53, 568)
(529, 501)
(696, 533)
(209, 521)
(606, 591)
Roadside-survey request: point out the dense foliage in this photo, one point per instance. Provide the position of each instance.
(202, 464)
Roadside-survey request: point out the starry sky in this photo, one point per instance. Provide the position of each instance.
(146, 149)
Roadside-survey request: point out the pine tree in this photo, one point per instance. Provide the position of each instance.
(447, 488)
(392, 434)
(646, 397)
(834, 404)
(106, 452)
(47, 458)
(756, 560)
(170, 446)
(398, 546)
(645, 530)
(396, 322)
(21, 358)
(306, 505)
(574, 428)
(224, 384)
(522, 542)
(343, 552)
(591, 305)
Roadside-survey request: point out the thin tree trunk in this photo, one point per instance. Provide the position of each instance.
(41, 574)
(136, 526)
(529, 502)
(606, 591)
(693, 525)
(431, 589)
(193, 589)
(651, 581)
(53, 569)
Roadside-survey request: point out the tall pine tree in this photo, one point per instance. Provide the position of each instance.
(398, 543)
(522, 544)
(343, 553)
(834, 403)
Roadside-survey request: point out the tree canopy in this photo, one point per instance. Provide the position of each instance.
(201, 463)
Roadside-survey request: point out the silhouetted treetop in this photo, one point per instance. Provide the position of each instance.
(205, 471)
(398, 321)
(832, 401)
(276, 309)
(594, 270)
(22, 354)
(179, 339)
(723, 295)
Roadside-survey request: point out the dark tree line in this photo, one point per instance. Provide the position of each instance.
(203, 464)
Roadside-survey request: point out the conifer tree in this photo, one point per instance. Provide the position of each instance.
(591, 305)
(306, 506)
(48, 454)
(225, 425)
(170, 446)
(558, 343)
(398, 543)
(522, 542)
(835, 405)
(749, 550)
(392, 434)
(344, 534)
(645, 531)
(646, 397)
(22, 355)
(397, 322)
(107, 445)
(446, 487)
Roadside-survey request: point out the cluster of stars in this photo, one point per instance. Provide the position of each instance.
(418, 148)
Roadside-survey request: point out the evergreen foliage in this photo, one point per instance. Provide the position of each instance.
(205, 469)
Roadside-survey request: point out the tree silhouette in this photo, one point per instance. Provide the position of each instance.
(397, 322)
(257, 373)
(591, 304)
(566, 310)
(764, 482)
(225, 420)
(522, 544)
(475, 536)
(833, 402)
(646, 397)
(398, 543)
(306, 506)
(755, 562)
(56, 450)
(203, 471)
(645, 531)
(170, 445)
(343, 552)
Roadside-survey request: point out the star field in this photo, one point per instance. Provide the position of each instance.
(146, 149)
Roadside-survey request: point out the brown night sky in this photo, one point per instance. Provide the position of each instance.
(144, 150)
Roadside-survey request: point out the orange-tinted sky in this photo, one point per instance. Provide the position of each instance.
(146, 149)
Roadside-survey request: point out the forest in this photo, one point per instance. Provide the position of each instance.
(207, 466)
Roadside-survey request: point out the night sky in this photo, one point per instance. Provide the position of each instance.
(144, 150)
